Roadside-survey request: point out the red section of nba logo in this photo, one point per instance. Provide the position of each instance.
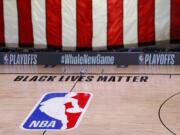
(74, 118)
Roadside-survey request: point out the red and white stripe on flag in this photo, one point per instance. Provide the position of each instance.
(92, 24)
(2, 38)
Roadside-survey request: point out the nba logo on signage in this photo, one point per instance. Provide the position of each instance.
(58, 111)
(141, 59)
(6, 59)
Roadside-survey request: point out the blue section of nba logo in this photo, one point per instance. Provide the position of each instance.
(38, 118)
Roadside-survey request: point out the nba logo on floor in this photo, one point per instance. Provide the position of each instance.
(58, 111)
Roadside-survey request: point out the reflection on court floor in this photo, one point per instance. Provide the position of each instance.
(134, 100)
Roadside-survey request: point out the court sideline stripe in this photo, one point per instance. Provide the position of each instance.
(152, 74)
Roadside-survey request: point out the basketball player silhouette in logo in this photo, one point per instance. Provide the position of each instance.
(55, 108)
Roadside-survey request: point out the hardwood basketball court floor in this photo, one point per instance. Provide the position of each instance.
(137, 100)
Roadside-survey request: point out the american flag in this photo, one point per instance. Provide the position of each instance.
(94, 24)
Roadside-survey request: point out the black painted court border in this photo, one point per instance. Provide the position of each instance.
(150, 74)
(160, 112)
